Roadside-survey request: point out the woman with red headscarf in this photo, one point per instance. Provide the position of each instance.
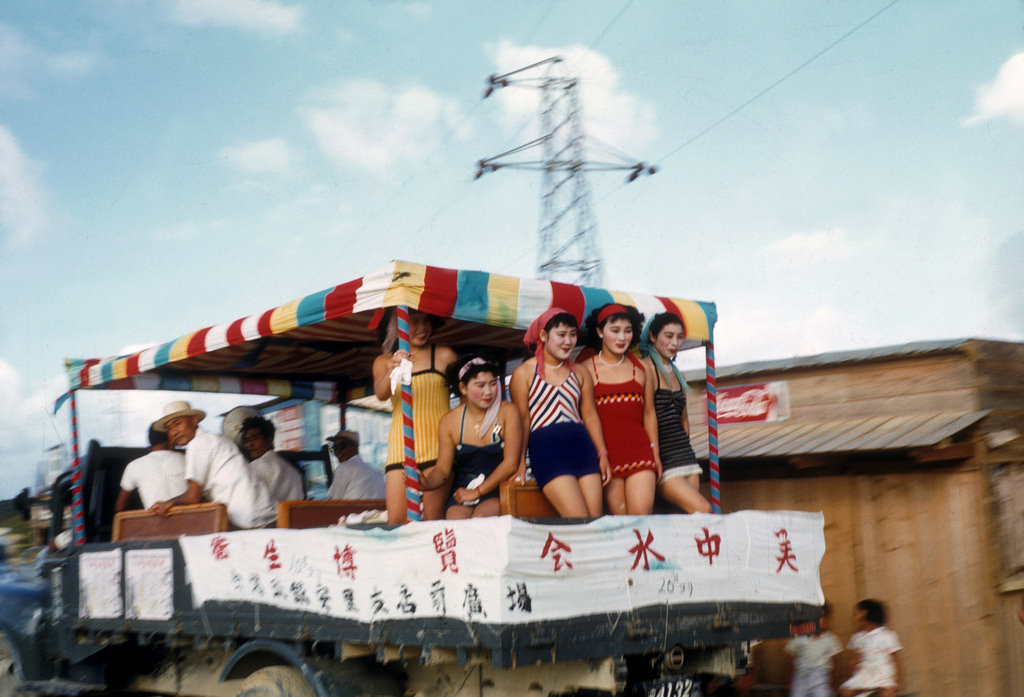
(625, 403)
(564, 439)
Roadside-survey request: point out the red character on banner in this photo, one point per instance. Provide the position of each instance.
(786, 550)
(555, 547)
(444, 545)
(345, 560)
(219, 548)
(710, 546)
(641, 550)
(270, 553)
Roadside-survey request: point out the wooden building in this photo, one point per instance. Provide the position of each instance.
(915, 454)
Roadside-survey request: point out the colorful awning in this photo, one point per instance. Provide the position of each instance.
(312, 344)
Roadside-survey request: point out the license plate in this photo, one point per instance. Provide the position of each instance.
(684, 686)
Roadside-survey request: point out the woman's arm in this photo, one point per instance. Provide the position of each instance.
(592, 422)
(382, 366)
(436, 476)
(650, 417)
(520, 389)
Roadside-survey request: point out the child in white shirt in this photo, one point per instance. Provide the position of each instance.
(876, 648)
(814, 659)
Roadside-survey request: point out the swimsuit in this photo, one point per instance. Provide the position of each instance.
(429, 404)
(474, 460)
(559, 442)
(621, 408)
(677, 456)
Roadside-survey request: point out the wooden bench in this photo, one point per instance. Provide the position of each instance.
(525, 501)
(320, 514)
(194, 519)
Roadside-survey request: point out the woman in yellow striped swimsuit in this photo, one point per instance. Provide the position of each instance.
(430, 402)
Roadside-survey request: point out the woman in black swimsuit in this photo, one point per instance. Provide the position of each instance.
(479, 443)
(680, 477)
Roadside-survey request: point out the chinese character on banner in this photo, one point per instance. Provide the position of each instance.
(710, 546)
(405, 603)
(786, 550)
(298, 589)
(377, 603)
(345, 560)
(270, 554)
(518, 598)
(555, 547)
(323, 594)
(642, 548)
(472, 602)
(444, 545)
(437, 598)
(219, 548)
(256, 586)
(349, 596)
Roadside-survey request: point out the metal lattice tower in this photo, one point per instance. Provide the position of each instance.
(567, 246)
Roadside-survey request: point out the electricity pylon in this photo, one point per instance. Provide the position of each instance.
(567, 246)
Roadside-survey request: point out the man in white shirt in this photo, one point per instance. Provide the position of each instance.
(158, 475)
(215, 470)
(282, 479)
(353, 479)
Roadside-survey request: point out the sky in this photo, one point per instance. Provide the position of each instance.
(832, 175)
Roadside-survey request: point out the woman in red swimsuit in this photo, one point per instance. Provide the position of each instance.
(625, 403)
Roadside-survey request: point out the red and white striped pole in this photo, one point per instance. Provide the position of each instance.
(413, 503)
(712, 400)
(77, 478)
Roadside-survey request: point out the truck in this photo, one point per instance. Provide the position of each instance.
(641, 606)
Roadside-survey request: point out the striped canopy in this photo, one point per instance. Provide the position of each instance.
(307, 347)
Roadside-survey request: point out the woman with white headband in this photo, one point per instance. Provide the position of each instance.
(479, 443)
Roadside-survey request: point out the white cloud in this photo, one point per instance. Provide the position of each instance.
(611, 115)
(27, 427)
(807, 249)
(23, 198)
(273, 156)
(261, 16)
(21, 62)
(1004, 96)
(376, 127)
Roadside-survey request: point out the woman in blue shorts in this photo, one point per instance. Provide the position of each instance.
(567, 451)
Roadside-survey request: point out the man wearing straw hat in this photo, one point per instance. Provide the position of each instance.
(215, 470)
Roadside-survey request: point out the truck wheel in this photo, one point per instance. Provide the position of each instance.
(10, 682)
(275, 681)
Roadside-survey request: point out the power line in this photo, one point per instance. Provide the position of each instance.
(778, 82)
(611, 24)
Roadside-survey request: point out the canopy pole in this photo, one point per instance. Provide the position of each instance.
(77, 483)
(412, 475)
(712, 401)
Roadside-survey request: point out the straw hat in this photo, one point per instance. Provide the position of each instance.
(350, 437)
(231, 426)
(173, 410)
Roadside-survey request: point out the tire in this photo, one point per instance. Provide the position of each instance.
(275, 681)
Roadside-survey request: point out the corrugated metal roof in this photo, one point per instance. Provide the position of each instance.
(873, 433)
(916, 348)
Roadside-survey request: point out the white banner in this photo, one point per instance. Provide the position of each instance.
(505, 570)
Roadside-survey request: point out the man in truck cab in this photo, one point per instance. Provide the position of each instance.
(215, 470)
(158, 475)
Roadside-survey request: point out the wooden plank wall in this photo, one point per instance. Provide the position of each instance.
(918, 542)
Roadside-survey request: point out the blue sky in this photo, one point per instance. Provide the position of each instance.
(833, 175)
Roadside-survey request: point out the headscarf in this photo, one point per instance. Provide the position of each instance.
(647, 349)
(533, 336)
(491, 415)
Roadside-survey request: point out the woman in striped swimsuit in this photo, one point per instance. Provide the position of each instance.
(680, 477)
(625, 402)
(429, 403)
(566, 447)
